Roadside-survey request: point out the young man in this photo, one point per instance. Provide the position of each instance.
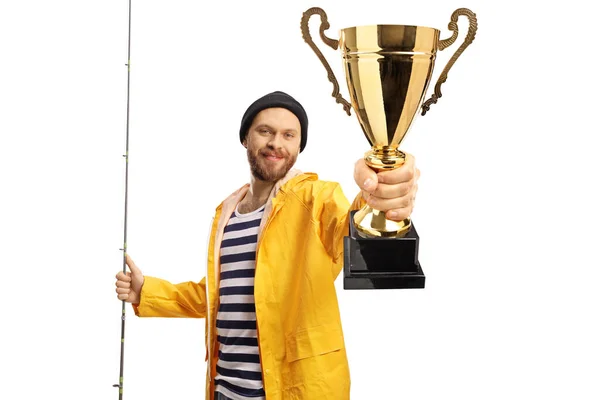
(273, 327)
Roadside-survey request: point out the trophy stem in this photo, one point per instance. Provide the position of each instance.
(382, 158)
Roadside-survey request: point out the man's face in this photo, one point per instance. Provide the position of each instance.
(273, 143)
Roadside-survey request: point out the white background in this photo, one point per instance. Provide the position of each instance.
(507, 208)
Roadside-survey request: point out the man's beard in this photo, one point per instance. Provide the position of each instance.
(265, 173)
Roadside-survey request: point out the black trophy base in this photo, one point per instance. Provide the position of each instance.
(382, 263)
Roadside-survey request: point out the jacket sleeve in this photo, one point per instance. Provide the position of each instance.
(334, 219)
(160, 298)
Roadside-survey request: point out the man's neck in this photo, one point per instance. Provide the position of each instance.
(257, 195)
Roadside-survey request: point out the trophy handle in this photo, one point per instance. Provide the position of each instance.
(448, 42)
(329, 42)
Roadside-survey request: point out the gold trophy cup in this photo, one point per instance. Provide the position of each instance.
(388, 70)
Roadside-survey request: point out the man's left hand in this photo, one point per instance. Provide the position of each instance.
(391, 191)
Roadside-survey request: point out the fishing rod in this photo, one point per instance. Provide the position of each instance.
(124, 249)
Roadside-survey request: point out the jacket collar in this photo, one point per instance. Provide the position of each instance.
(231, 202)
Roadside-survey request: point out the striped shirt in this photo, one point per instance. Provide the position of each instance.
(239, 374)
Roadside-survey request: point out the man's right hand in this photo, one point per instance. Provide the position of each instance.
(129, 285)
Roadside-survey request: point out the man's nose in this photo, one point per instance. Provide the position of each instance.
(276, 141)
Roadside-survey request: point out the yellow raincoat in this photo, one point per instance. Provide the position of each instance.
(299, 255)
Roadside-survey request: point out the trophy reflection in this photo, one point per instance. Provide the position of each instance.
(388, 70)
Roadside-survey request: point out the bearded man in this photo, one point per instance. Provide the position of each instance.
(273, 326)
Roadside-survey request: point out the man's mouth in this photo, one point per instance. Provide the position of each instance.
(272, 157)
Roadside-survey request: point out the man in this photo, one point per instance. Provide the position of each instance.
(273, 327)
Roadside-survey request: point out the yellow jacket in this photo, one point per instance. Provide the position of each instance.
(299, 255)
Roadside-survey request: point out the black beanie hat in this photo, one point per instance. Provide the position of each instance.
(275, 99)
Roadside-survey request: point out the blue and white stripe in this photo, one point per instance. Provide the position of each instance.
(239, 374)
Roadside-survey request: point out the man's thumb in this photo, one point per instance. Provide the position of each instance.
(132, 267)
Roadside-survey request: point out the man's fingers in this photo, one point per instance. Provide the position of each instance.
(385, 204)
(364, 176)
(122, 284)
(408, 205)
(379, 203)
(120, 290)
(403, 173)
(386, 191)
(399, 214)
(123, 277)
